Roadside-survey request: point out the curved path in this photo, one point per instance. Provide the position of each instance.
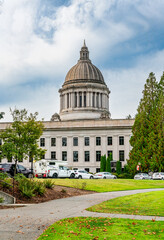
(26, 223)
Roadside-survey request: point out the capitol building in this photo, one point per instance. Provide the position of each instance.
(83, 130)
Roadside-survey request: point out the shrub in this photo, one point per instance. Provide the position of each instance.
(39, 188)
(27, 188)
(124, 175)
(6, 183)
(19, 176)
(49, 183)
(1, 200)
(3, 175)
(103, 164)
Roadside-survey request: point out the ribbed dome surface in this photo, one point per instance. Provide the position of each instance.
(84, 70)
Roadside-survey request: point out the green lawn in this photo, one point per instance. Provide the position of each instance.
(104, 228)
(108, 185)
(151, 203)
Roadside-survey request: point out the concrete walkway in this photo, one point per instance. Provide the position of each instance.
(27, 223)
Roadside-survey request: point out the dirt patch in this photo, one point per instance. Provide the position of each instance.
(51, 194)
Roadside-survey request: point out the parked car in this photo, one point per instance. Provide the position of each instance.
(83, 174)
(9, 169)
(141, 176)
(104, 175)
(158, 176)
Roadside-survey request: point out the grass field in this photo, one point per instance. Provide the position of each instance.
(151, 203)
(108, 185)
(104, 228)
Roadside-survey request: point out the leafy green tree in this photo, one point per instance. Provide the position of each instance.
(118, 167)
(147, 132)
(108, 163)
(20, 139)
(103, 164)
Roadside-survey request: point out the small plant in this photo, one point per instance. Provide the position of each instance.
(39, 188)
(6, 183)
(3, 176)
(49, 183)
(83, 185)
(63, 190)
(19, 176)
(1, 200)
(27, 188)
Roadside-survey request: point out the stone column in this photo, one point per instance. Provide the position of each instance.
(65, 100)
(87, 99)
(91, 98)
(70, 103)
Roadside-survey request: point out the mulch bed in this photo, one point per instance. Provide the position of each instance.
(56, 193)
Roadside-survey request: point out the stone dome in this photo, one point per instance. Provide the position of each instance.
(84, 70)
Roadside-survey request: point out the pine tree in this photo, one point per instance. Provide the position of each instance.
(103, 164)
(108, 163)
(118, 167)
(147, 138)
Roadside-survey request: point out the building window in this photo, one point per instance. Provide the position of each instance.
(43, 156)
(110, 153)
(64, 141)
(86, 141)
(98, 141)
(86, 156)
(121, 140)
(64, 156)
(53, 142)
(121, 155)
(42, 142)
(85, 102)
(93, 99)
(101, 100)
(109, 140)
(98, 156)
(67, 100)
(97, 100)
(53, 155)
(97, 169)
(75, 156)
(80, 99)
(75, 141)
(86, 169)
(75, 99)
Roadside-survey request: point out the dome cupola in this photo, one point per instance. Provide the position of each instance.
(84, 94)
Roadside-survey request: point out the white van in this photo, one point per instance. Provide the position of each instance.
(52, 168)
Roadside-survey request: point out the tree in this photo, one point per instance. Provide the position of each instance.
(103, 164)
(147, 132)
(1, 114)
(108, 163)
(118, 167)
(20, 139)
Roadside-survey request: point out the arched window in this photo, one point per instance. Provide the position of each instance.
(75, 99)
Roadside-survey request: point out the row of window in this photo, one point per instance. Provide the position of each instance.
(87, 155)
(86, 141)
(76, 156)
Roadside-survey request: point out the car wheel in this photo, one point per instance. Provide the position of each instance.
(80, 177)
(91, 177)
(30, 175)
(104, 177)
(72, 175)
(55, 175)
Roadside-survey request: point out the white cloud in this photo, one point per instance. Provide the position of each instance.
(27, 53)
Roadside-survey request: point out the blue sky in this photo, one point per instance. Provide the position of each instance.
(40, 41)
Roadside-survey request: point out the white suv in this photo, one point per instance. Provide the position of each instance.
(83, 174)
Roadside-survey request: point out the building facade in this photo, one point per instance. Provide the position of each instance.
(83, 131)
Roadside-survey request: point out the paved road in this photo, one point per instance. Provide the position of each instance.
(27, 223)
